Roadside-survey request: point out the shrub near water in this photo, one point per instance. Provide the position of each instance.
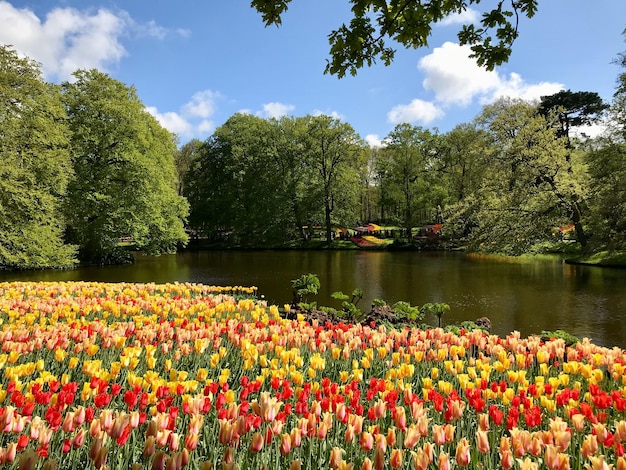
(181, 375)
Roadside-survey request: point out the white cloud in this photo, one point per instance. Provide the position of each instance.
(373, 140)
(457, 80)
(275, 110)
(172, 121)
(193, 118)
(416, 111)
(202, 104)
(467, 16)
(332, 114)
(69, 39)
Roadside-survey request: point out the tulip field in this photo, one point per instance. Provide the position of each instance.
(148, 376)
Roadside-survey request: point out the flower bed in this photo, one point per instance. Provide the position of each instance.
(188, 376)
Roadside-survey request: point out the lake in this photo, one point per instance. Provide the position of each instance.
(527, 296)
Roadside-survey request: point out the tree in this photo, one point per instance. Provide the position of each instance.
(336, 153)
(125, 184)
(185, 161)
(573, 109)
(409, 23)
(607, 167)
(34, 167)
(529, 187)
(407, 171)
(239, 183)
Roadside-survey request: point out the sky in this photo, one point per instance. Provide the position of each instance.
(196, 63)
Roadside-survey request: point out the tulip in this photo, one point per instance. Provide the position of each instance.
(463, 453)
(367, 464)
(448, 431)
(443, 461)
(506, 459)
(391, 437)
(439, 435)
(366, 441)
(256, 445)
(295, 465)
(412, 437)
(396, 458)
(590, 446)
(335, 457)
(482, 441)
(420, 460)
(285, 443)
(527, 464)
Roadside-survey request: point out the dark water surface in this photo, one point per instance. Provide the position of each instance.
(526, 296)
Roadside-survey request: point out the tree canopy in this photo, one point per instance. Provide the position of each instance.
(34, 167)
(375, 23)
(125, 184)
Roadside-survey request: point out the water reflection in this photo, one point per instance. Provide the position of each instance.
(526, 296)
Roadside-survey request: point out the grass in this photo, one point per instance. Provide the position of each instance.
(615, 259)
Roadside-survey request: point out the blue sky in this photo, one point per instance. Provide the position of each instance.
(196, 63)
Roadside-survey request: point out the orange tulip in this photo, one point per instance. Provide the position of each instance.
(335, 457)
(367, 464)
(463, 453)
(506, 459)
(285, 443)
(256, 444)
(366, 441)
(412, 437)
(439, 435)
(420, 460)
(590, 446)
(482, 441)
(396, 458)
(443, 461)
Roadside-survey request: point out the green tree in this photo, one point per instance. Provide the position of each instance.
(185, 161)
(125, 183)
(573, 109)
(408, 171)
(34, 167)
(529, 186)
(607, 167)
(409, 23)
(337, 154)
(239, 184)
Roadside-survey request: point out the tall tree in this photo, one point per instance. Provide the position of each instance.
(410, 23)
(238, 185)
(573, 109)
(125, 183)
(185, 161)
(34, 167)
(407, 168)
(336, 153)
(529, 186)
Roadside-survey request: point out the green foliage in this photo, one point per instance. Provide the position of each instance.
(378, 303)
(34, 168)
(404, 310)
(531, 183)
(305, 285)
(570, 340)
(349, 304)
(364, 39)
(407, 172)
(437, 309)
(125, 182)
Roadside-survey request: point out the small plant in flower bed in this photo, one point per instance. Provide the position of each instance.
(176, 376)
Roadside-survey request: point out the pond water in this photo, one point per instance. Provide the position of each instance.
(526, 296)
